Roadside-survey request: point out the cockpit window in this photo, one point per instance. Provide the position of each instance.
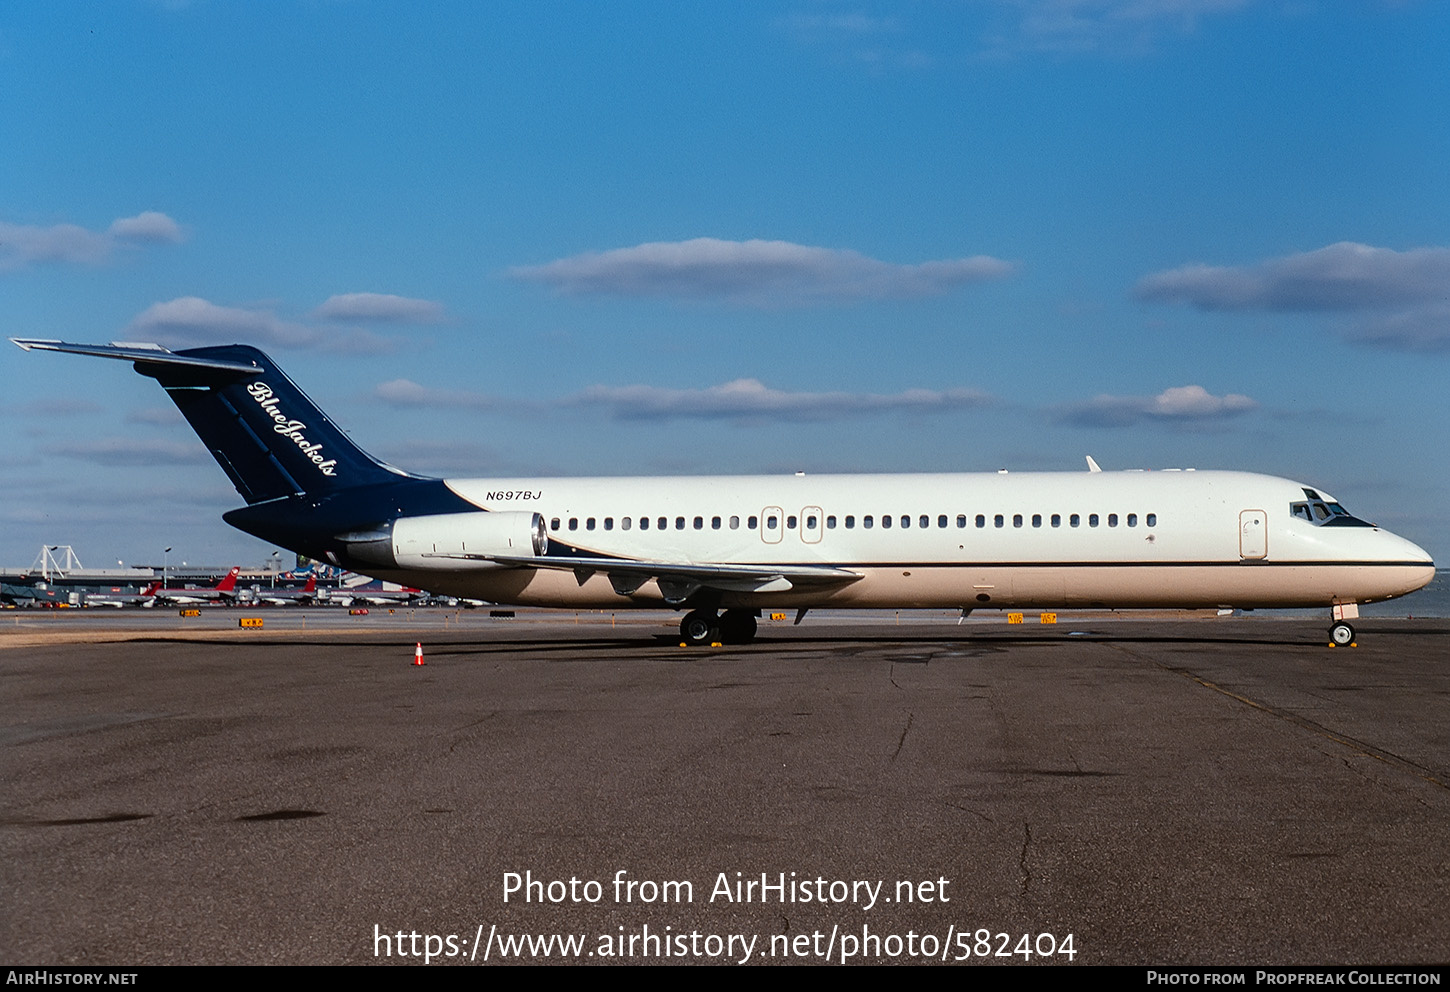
(1322, 513)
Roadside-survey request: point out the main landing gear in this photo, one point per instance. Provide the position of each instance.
(709, 627)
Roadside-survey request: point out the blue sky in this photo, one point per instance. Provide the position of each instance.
(513, 239)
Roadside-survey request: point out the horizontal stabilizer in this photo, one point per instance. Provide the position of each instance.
(150, 354)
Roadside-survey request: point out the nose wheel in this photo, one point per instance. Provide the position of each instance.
(1341, 635)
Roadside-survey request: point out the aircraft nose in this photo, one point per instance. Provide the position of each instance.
(1420, 570)
(1415, 553)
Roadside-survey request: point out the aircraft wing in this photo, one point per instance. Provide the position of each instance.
(678, 581)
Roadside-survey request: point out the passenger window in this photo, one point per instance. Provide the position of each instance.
(981, 520)
(790, 522)
(961, 520)
(609, 523)
(644, 523)
(885, 520)
(1037, 520)
(998, 520)
(714, 523)
(772, 522)
(905, 520)
(1132, 520)
(1074, 520)
(866, 521)
(1092, 519)
(573, 523)
(554, 524)
(735, 523)
(941, 521)
(850, 522)
(624, 523)
(753, 522)
(925, 521)
(830, 523)
(1016, 520)
(1112, 520)
(700, 523)
(663, 523)
(811, 522)
(589, 524)
(679, 523)
(1151, 520)
(1057, 520)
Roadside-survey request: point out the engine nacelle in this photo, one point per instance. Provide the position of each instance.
(448, 541)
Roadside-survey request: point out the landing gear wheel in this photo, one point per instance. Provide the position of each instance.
(1341, 634)
(738, 626)
(700, 627)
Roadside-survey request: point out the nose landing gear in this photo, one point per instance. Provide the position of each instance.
(1341, 634)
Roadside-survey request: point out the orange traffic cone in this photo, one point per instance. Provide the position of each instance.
(418, 654)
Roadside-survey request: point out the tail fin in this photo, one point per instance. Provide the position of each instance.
(229, 581)
(270, 439)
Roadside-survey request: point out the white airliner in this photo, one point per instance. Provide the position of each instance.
(146, 598)
(305, 596)
(225, 591)
(724, 548)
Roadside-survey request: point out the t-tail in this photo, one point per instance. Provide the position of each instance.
(307, 486)
(269, 438)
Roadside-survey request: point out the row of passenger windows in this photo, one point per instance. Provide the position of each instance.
(812, 521)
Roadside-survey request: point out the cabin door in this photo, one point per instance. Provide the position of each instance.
(772, 524)
(1253, 535)
(811, 524)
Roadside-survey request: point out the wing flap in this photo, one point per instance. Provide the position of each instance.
(680, 580)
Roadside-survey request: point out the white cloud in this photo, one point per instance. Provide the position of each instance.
(440, 457)
(757, 273)
(1424, 329)
(1343, 276)
(1069, 27)
(407, 393)
(1179, 404)
(134, 451)
(750, 398)
(849, 24)
(1404, 291)
(22, 245)
(380, 307)
(190, 321)
(163, 416)
(147, 226)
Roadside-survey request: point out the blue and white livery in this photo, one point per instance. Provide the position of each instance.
(725, 548)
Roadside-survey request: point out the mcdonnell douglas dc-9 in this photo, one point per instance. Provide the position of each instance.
(725, 548)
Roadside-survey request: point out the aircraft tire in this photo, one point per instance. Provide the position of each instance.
(700, 627)
(1341, 634)
(738, 626)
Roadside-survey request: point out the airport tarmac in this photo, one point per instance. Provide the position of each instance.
(1166, 791)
